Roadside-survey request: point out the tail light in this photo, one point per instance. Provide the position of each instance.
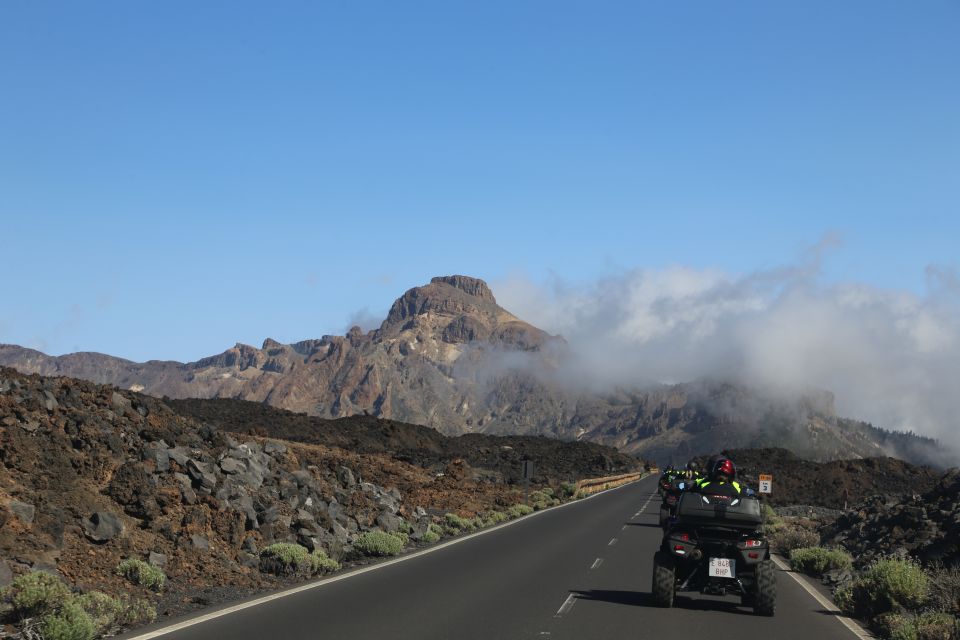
(752, 544)
(683, 536)
(753, 555)
(678, 548)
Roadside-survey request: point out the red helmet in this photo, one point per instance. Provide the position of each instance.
(724, 467)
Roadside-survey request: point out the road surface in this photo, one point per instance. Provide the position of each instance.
(579, 572)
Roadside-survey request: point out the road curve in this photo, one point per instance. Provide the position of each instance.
(578, 572)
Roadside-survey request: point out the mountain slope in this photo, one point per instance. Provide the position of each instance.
(449, 357)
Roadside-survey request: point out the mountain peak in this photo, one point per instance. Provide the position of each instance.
(472, 286)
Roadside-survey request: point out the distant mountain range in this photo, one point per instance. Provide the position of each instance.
(449, 357)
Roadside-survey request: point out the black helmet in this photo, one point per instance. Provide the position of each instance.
(693, 466)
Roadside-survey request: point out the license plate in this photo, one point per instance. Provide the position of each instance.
(722, 568)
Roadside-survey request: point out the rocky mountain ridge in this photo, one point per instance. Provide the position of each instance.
(449, 357)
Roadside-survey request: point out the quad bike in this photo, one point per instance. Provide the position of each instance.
(716, 546)
(671, 492)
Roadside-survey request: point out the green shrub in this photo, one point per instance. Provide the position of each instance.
(104, 610)
(542, 499)
(433, 533)
(496, 517)
(136, 612)
(378, 543)
(930, 625)
(142, 573)
(457, 523)
(70, 622)
(518, 510)
(321, 563)
(936, 625)
(403, 537)
(791, 537)
(35, 593)
(817, 560)
(944, 589)
(286, 559)
(891, 585)
(896, 626)
(406, 527)
(567, 489)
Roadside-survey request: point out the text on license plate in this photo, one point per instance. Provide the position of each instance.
(722, 568)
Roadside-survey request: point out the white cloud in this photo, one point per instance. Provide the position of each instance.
(891, 357)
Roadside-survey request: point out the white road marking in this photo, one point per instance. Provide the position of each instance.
(623, 528)
(156, 633)
(566, 606)
(849, 623)
(596, 563)
(612, 542)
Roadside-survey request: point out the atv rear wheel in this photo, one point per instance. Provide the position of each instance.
(664, 516)
(664, 579)
(765, 594)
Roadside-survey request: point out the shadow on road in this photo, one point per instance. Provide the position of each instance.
(643, 599)
(652, 525)
(631, 598)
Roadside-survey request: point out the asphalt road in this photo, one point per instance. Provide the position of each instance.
(580, 572)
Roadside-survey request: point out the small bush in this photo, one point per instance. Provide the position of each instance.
(285, 559)
(543, 499)
(496, 517)
(518, 510)
(457, 523)
(36, 593)
(378, 543)
(567, 490)
(944, 589)
(406, 527)
(136, 612)
(891, 585)
(70, 622)
(321, 563)
(104, 610)
(926, 626)
(433, 533)
(788, 538)
(817, 560)
(142, 573)
(402, 537)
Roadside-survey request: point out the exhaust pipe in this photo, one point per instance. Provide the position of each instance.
(696, 554)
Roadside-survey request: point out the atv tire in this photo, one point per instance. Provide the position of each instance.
(664, 579)
(765, 591)
(664, 517)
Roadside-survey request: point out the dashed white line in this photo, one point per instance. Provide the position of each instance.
(596, 563)
(623, 528)
(612, 542)
(566, 606)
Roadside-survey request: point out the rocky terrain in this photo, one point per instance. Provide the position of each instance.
(497, 458)
(449, 357)
(830, 485)
(925, 526)
(91, 475)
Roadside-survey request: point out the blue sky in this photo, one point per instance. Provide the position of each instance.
(179, 176)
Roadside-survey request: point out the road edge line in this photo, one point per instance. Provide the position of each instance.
(219, 613)
(852, 625)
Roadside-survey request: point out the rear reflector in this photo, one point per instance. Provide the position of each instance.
(753, 555)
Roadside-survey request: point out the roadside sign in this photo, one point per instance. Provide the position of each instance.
(766, 483)
(527, 469)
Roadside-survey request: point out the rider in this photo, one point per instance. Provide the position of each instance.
(692, 474)
(722, 480)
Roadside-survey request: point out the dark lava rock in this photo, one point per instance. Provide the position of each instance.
(101, 526)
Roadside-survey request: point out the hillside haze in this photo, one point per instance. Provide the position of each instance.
(449, 357)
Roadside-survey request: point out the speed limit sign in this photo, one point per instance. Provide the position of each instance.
(766, 483)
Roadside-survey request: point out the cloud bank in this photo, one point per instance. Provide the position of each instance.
(891, 357)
